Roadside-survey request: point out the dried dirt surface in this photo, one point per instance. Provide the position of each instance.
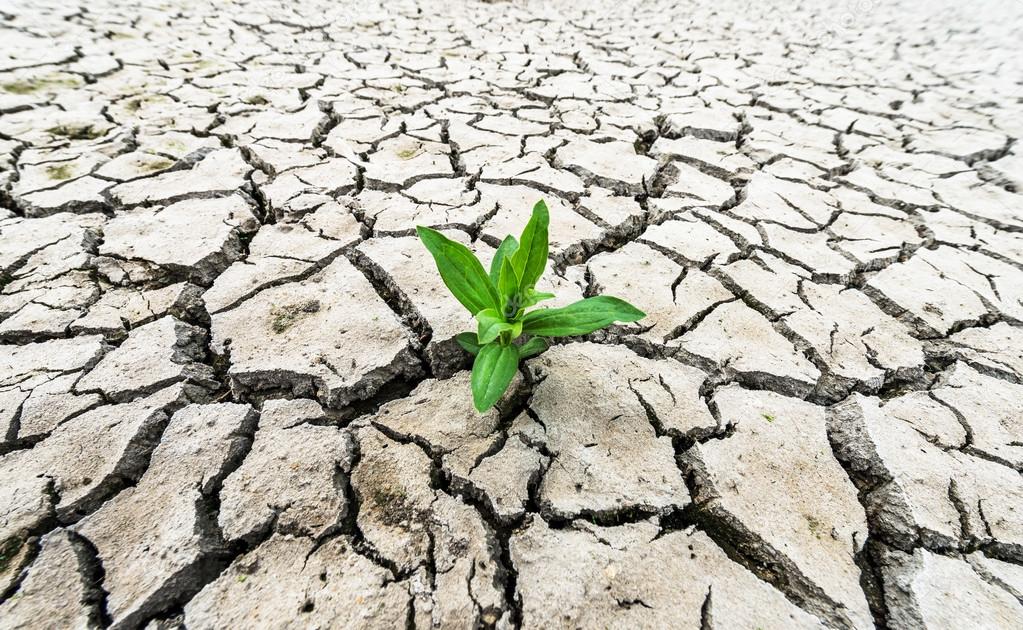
(230, 395)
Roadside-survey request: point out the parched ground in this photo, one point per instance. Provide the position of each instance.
(229, 396)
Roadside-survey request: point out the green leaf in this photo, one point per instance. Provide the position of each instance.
(491, 324)
(533, 296)
(533, 347)
(469, 342)
(508, 289)
(530, 258)
(493, 370)
(505, 251)
(580, 318)
(461, 271)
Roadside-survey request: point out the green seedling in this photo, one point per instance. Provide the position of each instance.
(498, 301)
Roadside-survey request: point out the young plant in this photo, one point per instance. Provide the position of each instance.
(499, 300)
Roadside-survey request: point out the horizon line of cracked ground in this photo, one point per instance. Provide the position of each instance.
(229, 390)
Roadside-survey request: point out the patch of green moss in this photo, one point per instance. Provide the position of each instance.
(284, 317)
(29, 86)
(256, 99)
(158, 164)
(76, 132)
(393, 507)
(408, 154)
(22, 87)
(59, 172)
(281, 319)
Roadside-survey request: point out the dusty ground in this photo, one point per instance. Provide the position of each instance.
(228, 392)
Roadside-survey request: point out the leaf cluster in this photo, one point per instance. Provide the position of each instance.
(507, 331)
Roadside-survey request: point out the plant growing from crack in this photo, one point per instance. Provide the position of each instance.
(498, 301)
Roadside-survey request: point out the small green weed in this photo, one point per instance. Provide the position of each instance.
(499, 300)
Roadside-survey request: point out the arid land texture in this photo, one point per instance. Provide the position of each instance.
(229, 391)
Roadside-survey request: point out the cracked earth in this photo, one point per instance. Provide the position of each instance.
(229, 391)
